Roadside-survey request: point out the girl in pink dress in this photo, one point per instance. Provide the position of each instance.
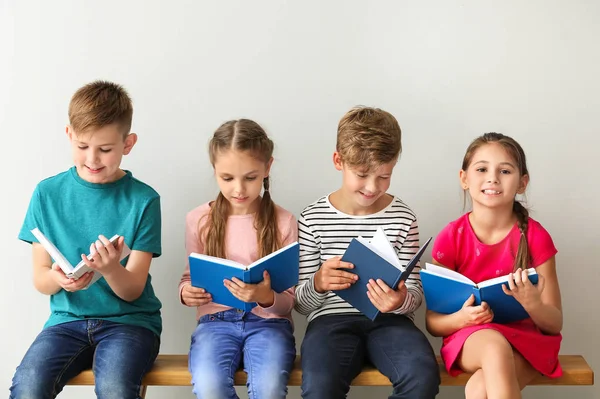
(499, 238)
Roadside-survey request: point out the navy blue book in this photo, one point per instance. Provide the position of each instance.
(446, 291)
(376, 259)
(208, 272)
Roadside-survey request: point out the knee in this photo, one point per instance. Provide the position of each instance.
(273, 388)
(323, 384)
(28, 383)
(497, 351)
(420, 378)
(117, 388)
(211, 384)
(475, 389)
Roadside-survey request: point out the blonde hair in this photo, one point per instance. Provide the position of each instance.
(241, 135)
(514, 149)
(368, 137)
(99, 104)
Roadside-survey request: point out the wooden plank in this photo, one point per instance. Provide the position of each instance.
(172, 370)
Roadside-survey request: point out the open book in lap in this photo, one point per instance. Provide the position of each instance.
(447, 290)
(208, 272)
(81, 268)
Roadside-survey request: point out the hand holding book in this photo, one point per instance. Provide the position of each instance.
(104, 255)
(473, 315)
(193, 296)
(67, 283)
(385, 298)
(526, 292)
(333, 275)
(260, 293)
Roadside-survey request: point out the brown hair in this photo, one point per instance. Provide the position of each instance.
(242, 135)
(368, 137)
(99, 104)
(514, 149)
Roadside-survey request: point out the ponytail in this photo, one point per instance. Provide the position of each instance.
(522, 260)
(216, 225)
(266, 224)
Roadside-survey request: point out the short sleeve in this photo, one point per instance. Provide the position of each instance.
(541, 245)
(33, 218)
(444, 247)
(148, 235)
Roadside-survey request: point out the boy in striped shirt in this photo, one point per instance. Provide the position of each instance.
(339, 339)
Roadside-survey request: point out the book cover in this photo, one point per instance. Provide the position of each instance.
(447, 290)
(376, 259)
(74, 272)
(208, 272)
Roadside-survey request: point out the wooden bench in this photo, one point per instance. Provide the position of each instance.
(172, 370)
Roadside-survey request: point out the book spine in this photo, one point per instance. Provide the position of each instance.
(477, 294)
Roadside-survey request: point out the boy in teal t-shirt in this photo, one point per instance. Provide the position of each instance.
(114, 325)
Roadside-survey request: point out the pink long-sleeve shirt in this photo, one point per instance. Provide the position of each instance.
(241, 246)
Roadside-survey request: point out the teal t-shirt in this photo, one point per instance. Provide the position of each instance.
(72, 213)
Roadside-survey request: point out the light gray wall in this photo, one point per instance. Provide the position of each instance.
(448, 70)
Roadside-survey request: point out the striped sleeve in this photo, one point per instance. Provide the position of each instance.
(406, 249)
(307, 298)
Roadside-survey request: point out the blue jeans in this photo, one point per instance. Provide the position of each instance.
(119, 355)
(222, 341)
(336, 347)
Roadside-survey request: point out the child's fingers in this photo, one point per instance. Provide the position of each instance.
(345, 265)
(506, 290)
(337, 286)
(101, 249)
(238, 282)
(470, 301)
(195, 290)
(340, 274)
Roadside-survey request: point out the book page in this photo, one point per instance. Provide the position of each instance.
(272, 254)
(449, 274)
(382, 247)
(222, 261)
(502, 279)
(58, 257)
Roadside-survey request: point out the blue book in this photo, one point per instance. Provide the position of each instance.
(208, 272)
(446, 291)
(375, 259)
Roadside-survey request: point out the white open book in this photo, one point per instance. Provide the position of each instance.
(81, 268)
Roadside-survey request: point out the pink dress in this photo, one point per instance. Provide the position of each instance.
(458, 248)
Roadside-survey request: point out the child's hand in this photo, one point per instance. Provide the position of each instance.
(383, 297)
(260, 293)
(522, 290)
(69, 284)
(193, 296)
(475, 315)
(329, 277)
(105, 255)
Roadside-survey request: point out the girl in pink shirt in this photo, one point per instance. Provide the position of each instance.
(242, 226)
(499, 238)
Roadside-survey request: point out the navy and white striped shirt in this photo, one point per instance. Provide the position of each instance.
(325, 232)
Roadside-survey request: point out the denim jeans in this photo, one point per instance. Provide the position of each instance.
(336, 347)
(222, 341)
(119, 355)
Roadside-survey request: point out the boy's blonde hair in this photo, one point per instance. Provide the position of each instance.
(368, 137)
(99, 104)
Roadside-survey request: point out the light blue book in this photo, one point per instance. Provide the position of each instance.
(208, 272)
(446, 291)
